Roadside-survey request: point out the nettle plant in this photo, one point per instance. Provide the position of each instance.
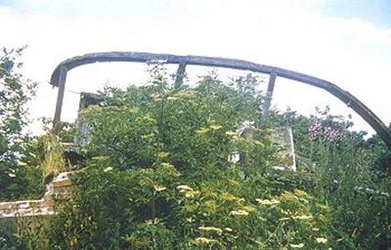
(160, 175)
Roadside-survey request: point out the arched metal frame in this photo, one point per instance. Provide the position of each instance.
(58, 79)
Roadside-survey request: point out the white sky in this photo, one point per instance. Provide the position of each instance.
(346, 42)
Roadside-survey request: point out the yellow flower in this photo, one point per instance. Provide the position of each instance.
(211, 206)
(247, 208)
(215, 127)
(202, 130)
(230, 133)
(228, 197)
(233, 182)
(162, 154)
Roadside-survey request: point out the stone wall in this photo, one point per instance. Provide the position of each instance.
(33, 215)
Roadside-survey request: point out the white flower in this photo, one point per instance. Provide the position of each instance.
(239, 212)
(214, 229)
(191, 194)
(159, 188)
(321, 240)
(267, 202)
(183, 188)
(303, 217)
(301, 245)
(204, 240)
(107, 169)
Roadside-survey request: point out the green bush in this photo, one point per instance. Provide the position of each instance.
(160, 177)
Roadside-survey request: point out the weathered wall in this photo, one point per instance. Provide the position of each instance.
(33, 215)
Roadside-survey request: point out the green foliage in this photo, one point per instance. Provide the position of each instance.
(358, 196)
(160, 177)
(18, 173)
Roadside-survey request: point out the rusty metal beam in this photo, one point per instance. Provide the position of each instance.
(59, 76)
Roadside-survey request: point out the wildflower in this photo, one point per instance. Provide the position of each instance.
(12, 175)
(228, 197)
(303, 217)
(267, 202)
(107, 169)
(162, 154)
(230, 133)
(191, 194)
(159, 188)
(233, 183)
(210, 206)
(203, 240)
(212, 229)
(234, 157)
(183, 188)
(202, 130)
(239, 212)
(321, 240)
(147, 136)
(300, 245)
(228, 229)
(215, 127)
(248, 208)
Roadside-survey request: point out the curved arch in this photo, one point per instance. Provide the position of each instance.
(58, 78)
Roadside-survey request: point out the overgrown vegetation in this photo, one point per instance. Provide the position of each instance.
(160, 175)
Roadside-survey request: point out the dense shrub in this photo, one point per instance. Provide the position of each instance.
(160, 177)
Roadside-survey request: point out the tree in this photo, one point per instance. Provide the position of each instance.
(15, 93)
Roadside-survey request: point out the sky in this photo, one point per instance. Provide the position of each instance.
(347, 42)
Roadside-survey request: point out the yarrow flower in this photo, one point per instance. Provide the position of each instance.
(303, 217)
(159, 188)
(183, 188)
(300, 245)
(219, 231)
(239, 212)
(107, 169)
(267, 202)
(203, 240)
(321, 240)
